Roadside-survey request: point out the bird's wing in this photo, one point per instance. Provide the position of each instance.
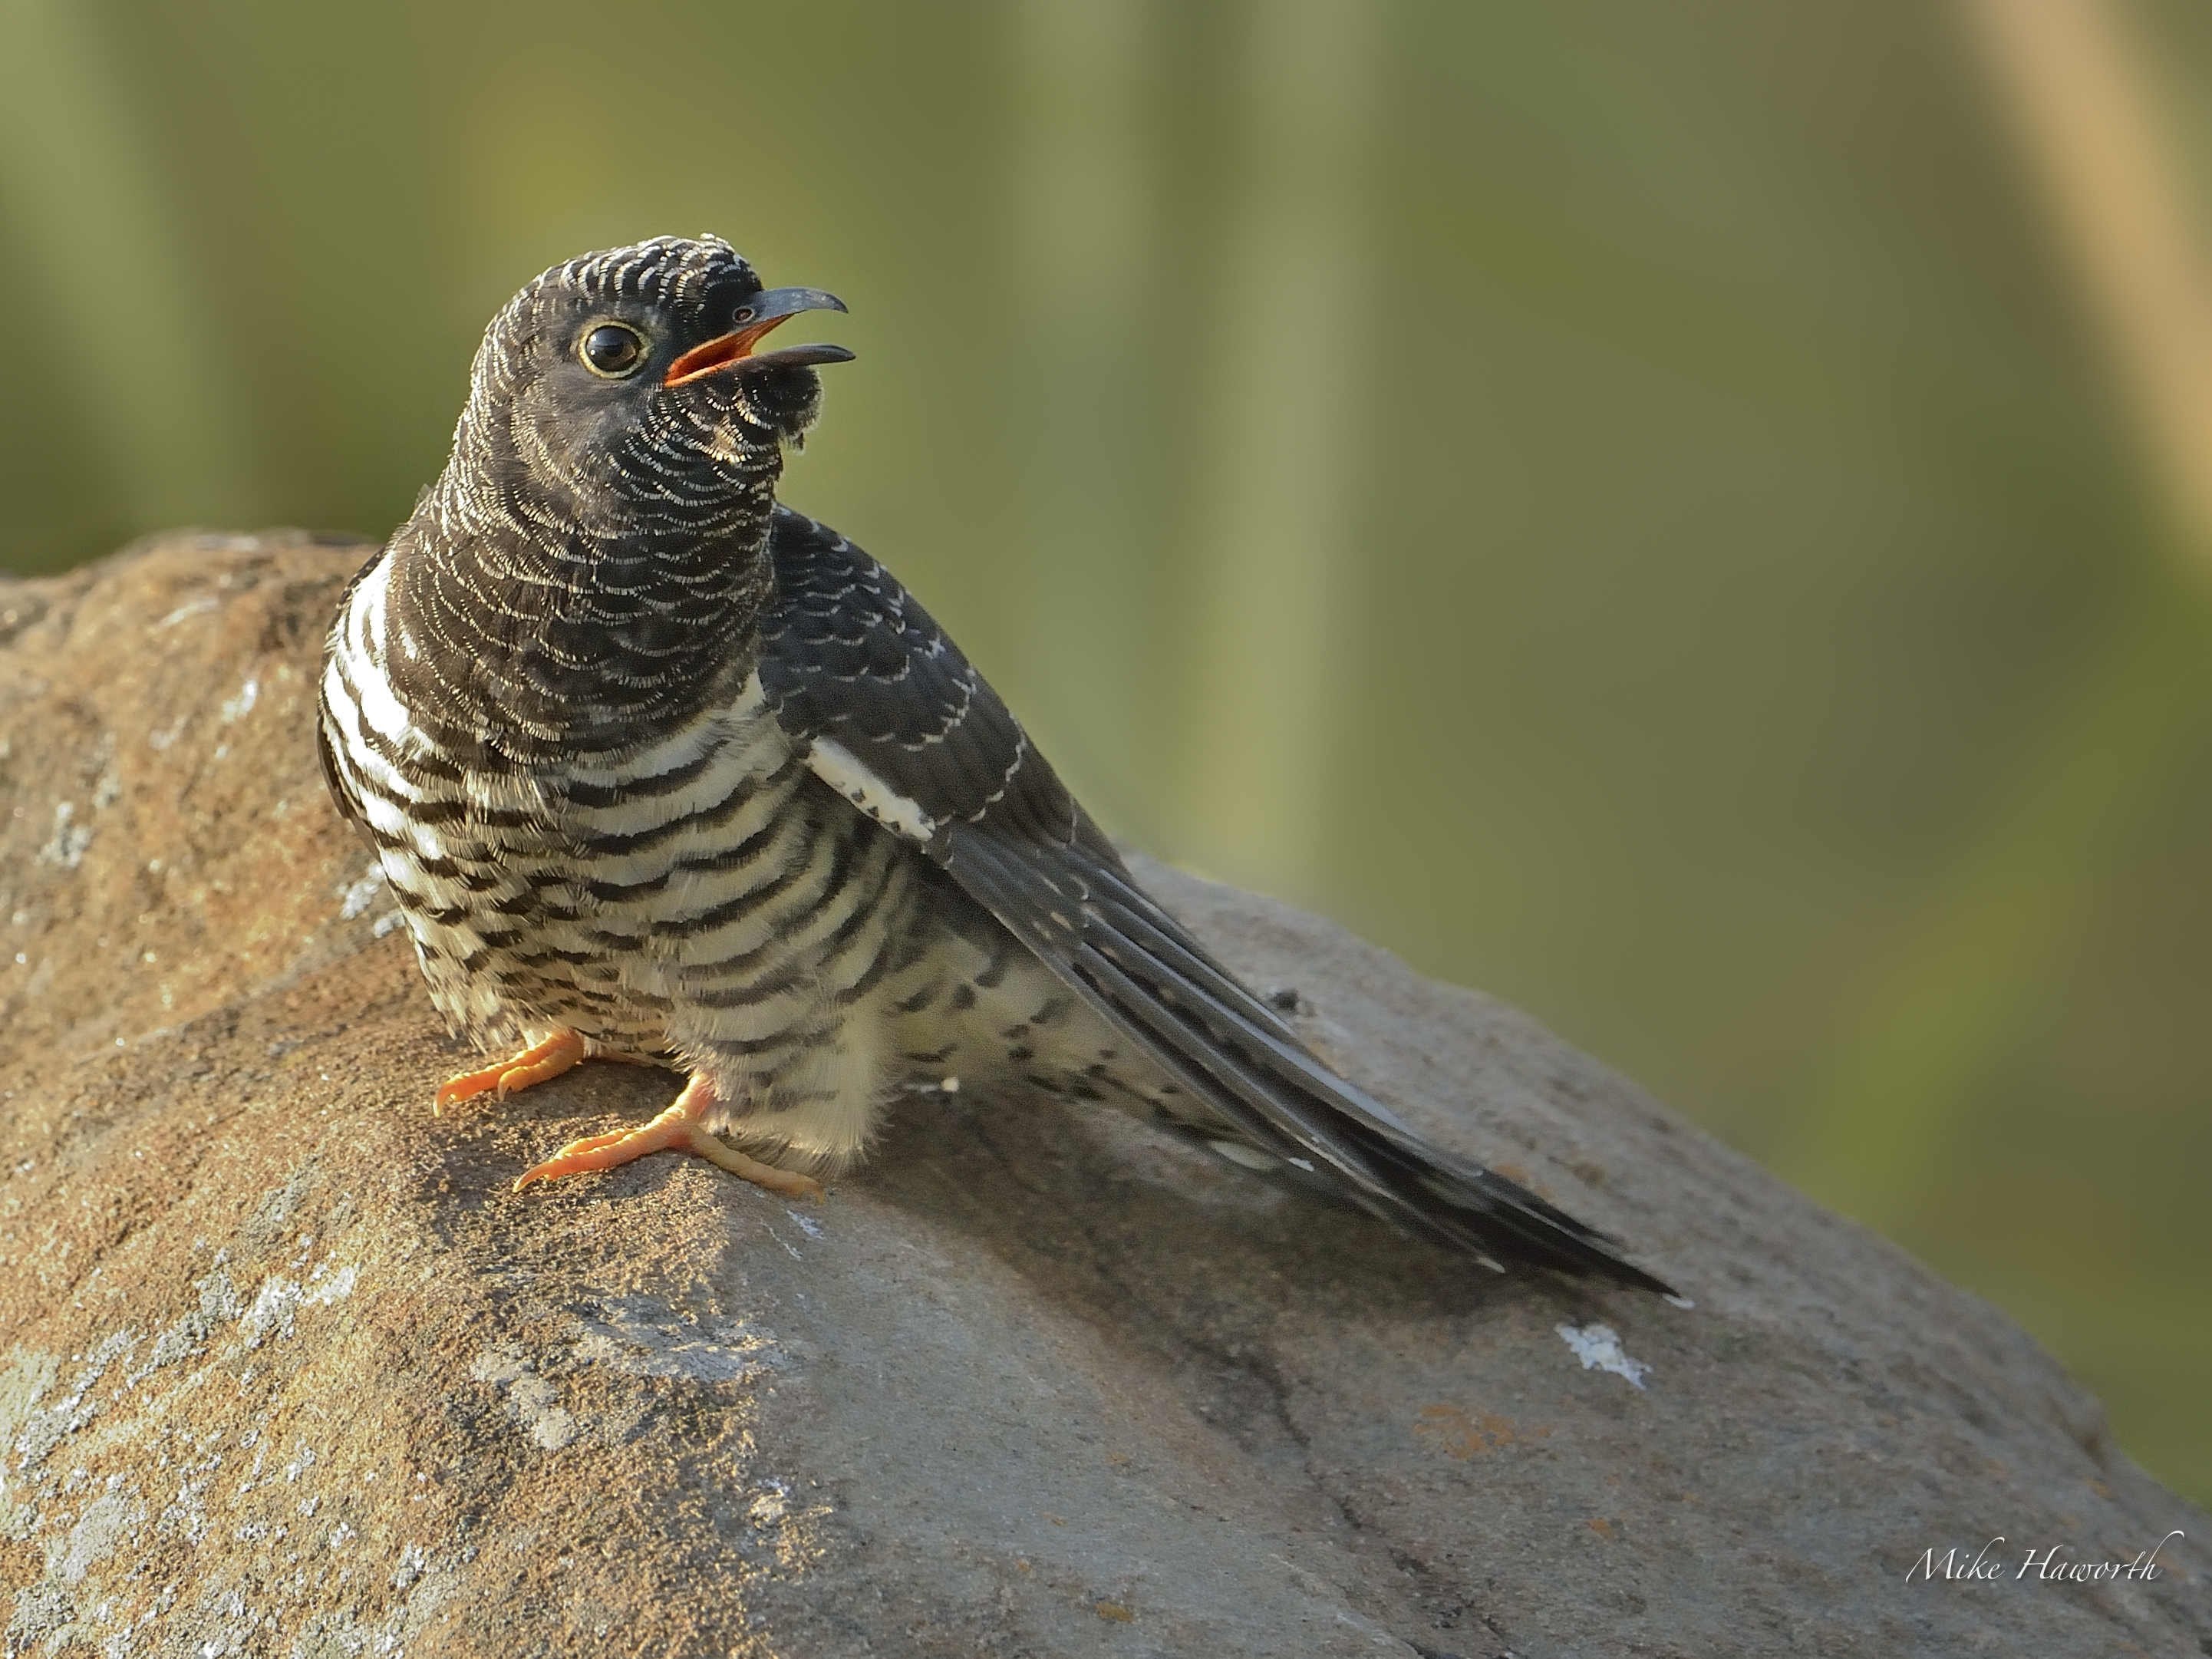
(895, 719)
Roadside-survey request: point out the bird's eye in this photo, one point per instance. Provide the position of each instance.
(613, 349)
(744, 314)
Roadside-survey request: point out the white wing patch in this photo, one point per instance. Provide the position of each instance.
(838, 767)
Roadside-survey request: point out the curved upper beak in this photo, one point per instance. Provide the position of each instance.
(756, 319)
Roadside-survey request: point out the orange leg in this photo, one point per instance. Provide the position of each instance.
(534, 1065)
(681, 1129)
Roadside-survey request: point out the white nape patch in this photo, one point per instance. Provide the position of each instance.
(838, 767)
(1598, 1346)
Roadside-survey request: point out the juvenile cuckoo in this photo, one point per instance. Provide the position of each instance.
(660, 770)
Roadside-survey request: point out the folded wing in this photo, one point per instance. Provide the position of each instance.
(895, 719)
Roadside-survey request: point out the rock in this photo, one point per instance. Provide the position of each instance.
(289, 1370)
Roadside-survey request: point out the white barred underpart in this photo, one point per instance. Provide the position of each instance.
(706, 899)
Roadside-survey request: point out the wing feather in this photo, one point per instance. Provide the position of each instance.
(896, 719)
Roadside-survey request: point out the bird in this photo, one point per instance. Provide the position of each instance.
(660, 770)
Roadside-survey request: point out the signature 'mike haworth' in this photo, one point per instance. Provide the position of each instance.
(2052, 1564)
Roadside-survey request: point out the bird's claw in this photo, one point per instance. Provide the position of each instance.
(534, 1064)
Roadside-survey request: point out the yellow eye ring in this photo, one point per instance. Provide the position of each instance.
(611, 350)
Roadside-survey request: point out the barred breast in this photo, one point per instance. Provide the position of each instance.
(702, 896)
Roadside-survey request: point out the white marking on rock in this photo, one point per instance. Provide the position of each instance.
(199, 607)
(93, 1537)
(549, 1425)
(65, 847)
(1598, 1346)
(355, 900)
(639, 1335)
(277, 1303)
(238, 707)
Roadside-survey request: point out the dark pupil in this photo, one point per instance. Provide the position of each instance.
(611, 350)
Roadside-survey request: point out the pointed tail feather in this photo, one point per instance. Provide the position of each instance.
(1145, 973)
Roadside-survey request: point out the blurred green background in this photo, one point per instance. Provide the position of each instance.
(1628, 505)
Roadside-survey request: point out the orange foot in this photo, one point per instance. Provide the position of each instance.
(678, 1130)
(534, 1065)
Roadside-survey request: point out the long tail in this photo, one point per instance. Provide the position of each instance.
(1139, 967)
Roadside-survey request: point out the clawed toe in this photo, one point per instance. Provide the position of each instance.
(536, 1064)
(678, 1130)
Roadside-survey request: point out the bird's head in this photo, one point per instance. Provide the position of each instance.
(623, 390)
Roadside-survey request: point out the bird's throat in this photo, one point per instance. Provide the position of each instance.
(519, 644)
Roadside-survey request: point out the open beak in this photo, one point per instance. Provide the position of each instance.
(754, 319)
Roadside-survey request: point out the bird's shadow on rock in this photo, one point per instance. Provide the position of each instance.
(1135, 1225)
(1142, 1231)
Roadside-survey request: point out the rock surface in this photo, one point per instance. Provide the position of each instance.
(285, 1369)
